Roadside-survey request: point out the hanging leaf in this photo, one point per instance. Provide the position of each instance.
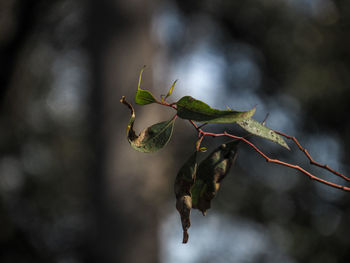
(196, 110)
(256, 128)
(151, 139)
(143, 97)
(211, 172)
(183, 183)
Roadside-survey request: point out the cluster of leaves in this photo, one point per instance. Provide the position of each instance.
(196, 184)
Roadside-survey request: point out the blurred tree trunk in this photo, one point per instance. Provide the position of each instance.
(119, 44)
(15, 29)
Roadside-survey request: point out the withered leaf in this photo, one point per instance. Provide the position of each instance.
(150, 139)
(211, 172)
(183, 183)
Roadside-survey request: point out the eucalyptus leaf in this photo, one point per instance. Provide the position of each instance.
(142, 96)
(170, 91)
(150, 139)
(196, 110)
(256, 128)
(211, 172)
(183, 183)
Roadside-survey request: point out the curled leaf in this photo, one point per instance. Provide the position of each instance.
(171, 89)
(203, 149)
(142, 96)
(150, 139)
(196, 110)
(211, 172)
(183, 183)
(261, 130)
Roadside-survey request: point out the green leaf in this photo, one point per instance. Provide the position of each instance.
(196, 110)
(151, 139)
(256, 128)
(211, 172)
(143, 97)
(183, 183)
(171, 90)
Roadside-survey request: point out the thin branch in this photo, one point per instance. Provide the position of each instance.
(312, 161)
(276, 161)
(198, 143)
(195, 125)
(202, 133)
(202, 125)
(164, 103)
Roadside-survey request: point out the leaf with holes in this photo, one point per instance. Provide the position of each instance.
(151, 139)
(183, 183)
(211, 172)
(196, 110)
(256, 128)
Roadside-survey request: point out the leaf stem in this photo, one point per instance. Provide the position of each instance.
(164, 103)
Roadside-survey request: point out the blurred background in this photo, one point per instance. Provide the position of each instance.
(72, 189)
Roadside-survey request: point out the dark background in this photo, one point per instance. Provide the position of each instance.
(73, 190)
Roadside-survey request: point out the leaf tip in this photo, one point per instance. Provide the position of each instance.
(140, 77)
(185, 237)
(171, 90)
(254, 109)
(286, 146)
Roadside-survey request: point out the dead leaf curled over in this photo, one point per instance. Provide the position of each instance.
(183, 183)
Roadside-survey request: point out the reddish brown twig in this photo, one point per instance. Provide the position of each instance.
(202, 133)
(312, 161)
(164, 103)
(276, 161)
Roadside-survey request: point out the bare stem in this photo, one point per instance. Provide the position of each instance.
(312, 161)
(164, 103)
(198, 143)
(279, 162)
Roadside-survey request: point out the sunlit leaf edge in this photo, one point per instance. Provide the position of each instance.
(196, 110)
